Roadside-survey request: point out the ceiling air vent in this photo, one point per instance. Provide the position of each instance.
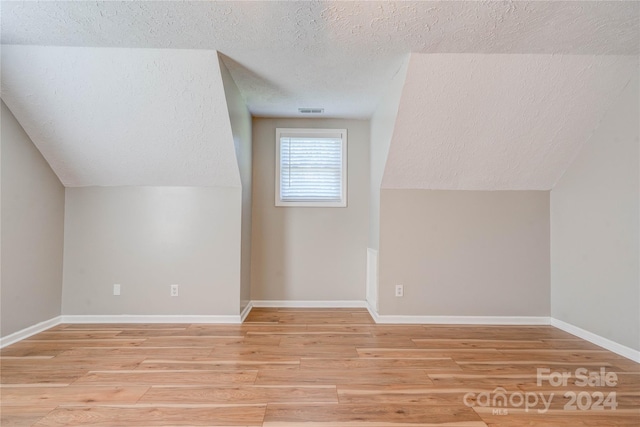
(311, 110)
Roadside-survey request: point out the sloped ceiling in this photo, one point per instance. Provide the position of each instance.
(339, 55)
(113, 92)
(499, 122)
(111, 117)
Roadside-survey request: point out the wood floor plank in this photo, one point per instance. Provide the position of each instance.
(503, 357)
(66, 363)
(403, 394)
(525, 367)
(249, 394)
(313, 316)
(341, 328)
(294, 367)
(309, 333)
(158, 352)
(457, 378)
(186, 330)
(273, 327)
(561, 418)
(259, 352)
(572, 343)
(552, 355)
(55, 396)
(303, 319)
(558, 400)
(620, 363)
(452, 343)
(412, 331)
(495, 332)
(392, 414)
(456, 354)
(178, 377)
(211, 364)
(426, 365)
(21, 350)
(381, 377)
(153, 416)
(211, 341)
(374, 424)
(196, 341)
(73, 334)
(56, 347)
(328, 311)
(22, 415)
(346, 340)
(41, 376)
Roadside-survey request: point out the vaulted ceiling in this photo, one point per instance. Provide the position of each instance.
(338, 55)
(499, 122)
(111, 117)
(129, 92)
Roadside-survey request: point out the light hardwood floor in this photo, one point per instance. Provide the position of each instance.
(304, 367)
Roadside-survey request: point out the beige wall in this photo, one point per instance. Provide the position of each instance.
(595, 283)
(241, 129)
(383, 123)
(464, 253)
(145, 239)
(32, 231)
(309, 253)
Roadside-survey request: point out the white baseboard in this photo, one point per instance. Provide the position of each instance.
(246, 311)
(31, 330)
(457, 320)
(308, 304)
(615, 347)
(620, 349)
(603, 342)
(135, 318)
(462, 320)
(372, 311)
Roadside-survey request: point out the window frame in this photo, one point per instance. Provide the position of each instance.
(311, 132)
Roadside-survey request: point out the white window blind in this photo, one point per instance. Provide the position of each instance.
(311, 166)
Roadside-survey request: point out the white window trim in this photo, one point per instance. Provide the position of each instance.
(305, 133)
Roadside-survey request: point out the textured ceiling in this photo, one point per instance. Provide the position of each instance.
(112, 117)
(499, 122)
(337, 55)
(156, 114)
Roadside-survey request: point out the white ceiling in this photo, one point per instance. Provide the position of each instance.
(499, 122)
(339, 55)
(111, 117)
(130, 93)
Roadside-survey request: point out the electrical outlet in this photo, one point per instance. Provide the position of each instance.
(399, 290)
(116, 289)
(174, 290)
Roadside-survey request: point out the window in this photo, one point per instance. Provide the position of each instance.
(311, 167)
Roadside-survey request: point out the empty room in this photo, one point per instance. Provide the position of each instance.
(320, 213)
